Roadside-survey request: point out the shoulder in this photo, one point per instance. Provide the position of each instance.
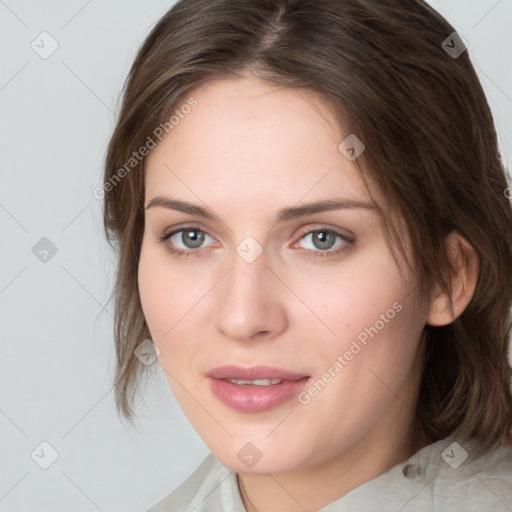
(452, 475)
(465, 481)
(444, 476)
(210, 485)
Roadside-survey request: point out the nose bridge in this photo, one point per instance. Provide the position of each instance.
(249, 272)
(247, 303)
(247, 284)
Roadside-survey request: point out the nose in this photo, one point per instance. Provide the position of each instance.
(249, 302)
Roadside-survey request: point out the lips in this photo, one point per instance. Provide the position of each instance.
(255, 389)
(253, 373)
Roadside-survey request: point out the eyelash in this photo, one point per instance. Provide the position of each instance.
(348, 242)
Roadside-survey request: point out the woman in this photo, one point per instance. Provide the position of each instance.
(313, 229)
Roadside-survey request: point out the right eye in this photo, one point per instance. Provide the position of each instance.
(186, 240)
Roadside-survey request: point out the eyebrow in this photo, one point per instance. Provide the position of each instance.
(283, 215)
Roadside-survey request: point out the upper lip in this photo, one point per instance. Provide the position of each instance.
(253, 373)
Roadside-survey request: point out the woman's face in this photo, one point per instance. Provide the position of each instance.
(305, 300)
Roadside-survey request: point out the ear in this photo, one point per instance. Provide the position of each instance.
(444, 308)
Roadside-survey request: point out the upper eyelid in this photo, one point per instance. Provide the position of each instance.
(340, 231)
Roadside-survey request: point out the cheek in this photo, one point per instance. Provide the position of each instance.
(163, 290)
(378, 338)
(169, 299)
(373, 319)
(370, 360)
(350, 299)
(159, 289)
(154, 295)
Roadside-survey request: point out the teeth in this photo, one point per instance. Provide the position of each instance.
(258, 382)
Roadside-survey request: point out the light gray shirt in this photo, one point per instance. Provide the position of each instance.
(442, 477)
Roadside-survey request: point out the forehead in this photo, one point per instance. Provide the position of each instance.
(247, 141)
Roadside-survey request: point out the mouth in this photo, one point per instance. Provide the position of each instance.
(256, 382)
(255, 389)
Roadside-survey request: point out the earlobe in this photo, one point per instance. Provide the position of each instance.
(445, 308)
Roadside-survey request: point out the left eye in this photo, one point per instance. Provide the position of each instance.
(323, 239)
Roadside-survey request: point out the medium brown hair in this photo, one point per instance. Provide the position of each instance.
(431, 148)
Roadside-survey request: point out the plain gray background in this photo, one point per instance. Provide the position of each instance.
(57, 358)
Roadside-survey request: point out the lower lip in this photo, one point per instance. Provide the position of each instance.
(255, 398)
